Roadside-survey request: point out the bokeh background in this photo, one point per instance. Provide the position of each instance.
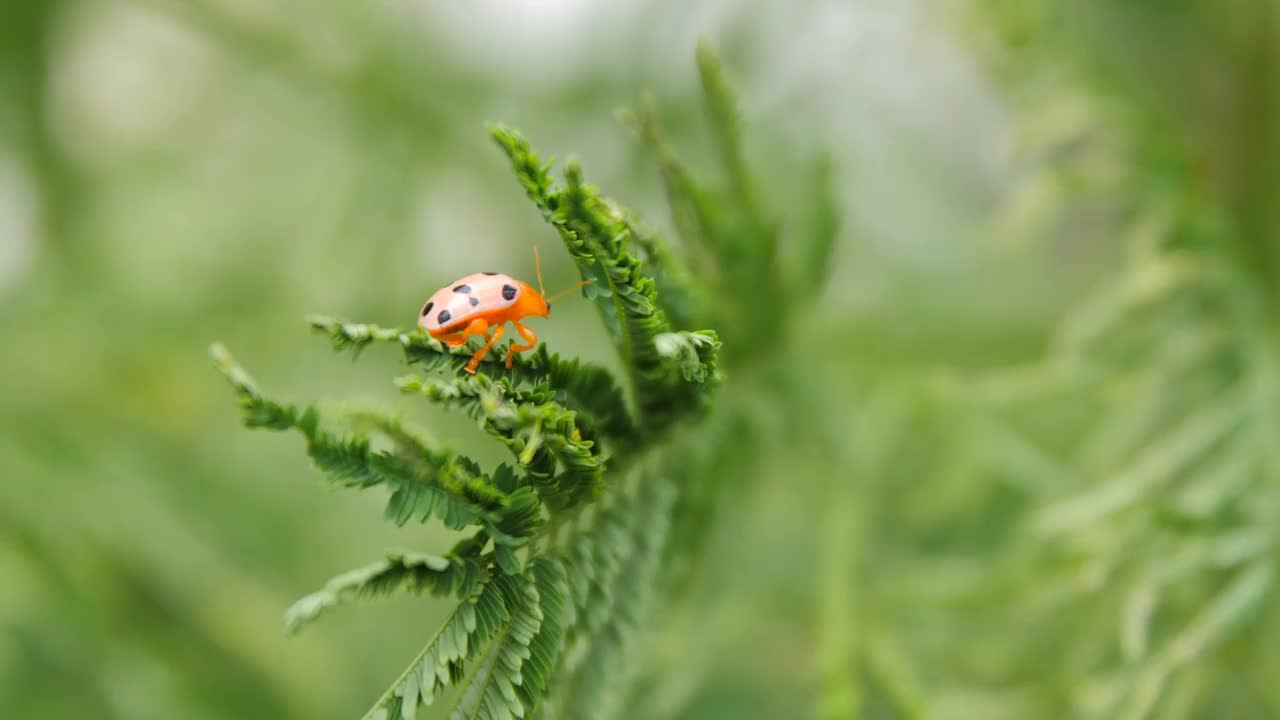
(1016, 528)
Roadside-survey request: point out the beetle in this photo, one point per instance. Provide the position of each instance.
(482, 304)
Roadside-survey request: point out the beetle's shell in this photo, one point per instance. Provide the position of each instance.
(453, 306)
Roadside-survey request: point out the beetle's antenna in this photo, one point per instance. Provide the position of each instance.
(568, 289)
(537, 265)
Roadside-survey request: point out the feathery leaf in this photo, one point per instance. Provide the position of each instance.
(599, 239)
(423, 483)
(492, 691)
(444, 660)
(416, 572)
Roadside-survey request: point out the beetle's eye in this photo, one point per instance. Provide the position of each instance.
(427, 308)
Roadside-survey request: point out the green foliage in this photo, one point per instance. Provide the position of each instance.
(442, 662)
(493, 691)
(629, 546)
(1125, 567)
(540, 432)
(910, 497)
(416, 572)
(544, 648)
(665, 380)
(591, 390)
(423, 483)
(819, 241)
(733, 243)
(1170, 477)
(566, 564)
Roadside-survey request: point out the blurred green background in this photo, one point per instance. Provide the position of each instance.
(1018, 525)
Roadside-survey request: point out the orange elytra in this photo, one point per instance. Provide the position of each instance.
(482, 304)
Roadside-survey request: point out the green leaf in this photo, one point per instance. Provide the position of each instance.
(588, 389)
(542, 434)
(533, 175)
(544, 649)
(690, 205)
(1227, 611)
(492, 690)
(599, 239)
(681, 299)
(722, 111)
(822, 225)
(444, 660)
(415, 572)
(609, 631)
(423, 483)
(694, 353)
(562, 571)
(506, 558)
(1183, 444)
(730, 239)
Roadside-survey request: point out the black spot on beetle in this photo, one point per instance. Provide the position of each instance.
(508, 292)
(427, 308)
(464, 289)
(443, 317)
(488, 273)
(474, 300)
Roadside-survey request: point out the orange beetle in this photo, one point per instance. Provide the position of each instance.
(476, 303)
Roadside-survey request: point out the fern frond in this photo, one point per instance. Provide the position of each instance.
(607, 639)
(663, 393)
(557, 614)
(415, 572)
(595, 557)
(358, 336)
(595, 230)
(535, 177)
(592, 558)
(519, 520)
(732, 242)
(694, 353)
(690, 204)
(444, 660)
(823, 224)
(542, 434)
(721, 105)
(747, 238)
(680, 298)
(1174, 369)
(423, 485)
(599, 239)
(562, 562)
(494, 688)
(584, 387)
(259, 412)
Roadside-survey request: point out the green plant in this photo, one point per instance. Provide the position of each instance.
(571, 546)
(1132, 549)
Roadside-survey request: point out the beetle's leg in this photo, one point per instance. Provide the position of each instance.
(457, 339)
(475, 359)
(515, 347)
